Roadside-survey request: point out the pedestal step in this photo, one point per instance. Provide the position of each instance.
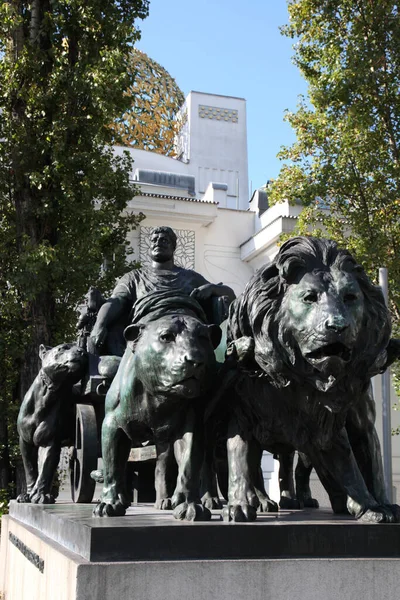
(149, 556)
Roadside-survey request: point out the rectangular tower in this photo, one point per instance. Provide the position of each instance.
(213, 141)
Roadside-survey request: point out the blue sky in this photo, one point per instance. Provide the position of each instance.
(233, 48)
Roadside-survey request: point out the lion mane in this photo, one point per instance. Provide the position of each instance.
(258, 313)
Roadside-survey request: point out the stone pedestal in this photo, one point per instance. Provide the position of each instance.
(60, 552)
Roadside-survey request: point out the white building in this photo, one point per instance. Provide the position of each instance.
(203, 195)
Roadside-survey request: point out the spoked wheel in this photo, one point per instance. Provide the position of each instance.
(83, 456)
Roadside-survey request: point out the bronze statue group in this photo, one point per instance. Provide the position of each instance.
(298, 348)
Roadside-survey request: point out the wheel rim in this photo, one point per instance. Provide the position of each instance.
(84, 458)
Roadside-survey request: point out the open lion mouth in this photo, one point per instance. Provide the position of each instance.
(337, 350)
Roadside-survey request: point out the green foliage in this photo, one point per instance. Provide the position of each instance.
(4, 500)
(347, 154)
(63, 194)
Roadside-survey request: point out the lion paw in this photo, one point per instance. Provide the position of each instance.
(105, 509)
(387, 513)
(395, 510)
(289, 503)
(113, 503)
(178, 498)
(41, 498)
(211, 502)
(304, 495)
(163, 504)
(239, 513)
(190, 511)
(310, 503)
(24, 498)
(267, 505)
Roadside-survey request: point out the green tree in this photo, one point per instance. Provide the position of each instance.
(347, 154)
(63, 77)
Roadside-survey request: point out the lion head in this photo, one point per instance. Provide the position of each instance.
(64, 364)
(174, 354)
(314, 315)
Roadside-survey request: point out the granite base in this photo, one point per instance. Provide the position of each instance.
(60, 552)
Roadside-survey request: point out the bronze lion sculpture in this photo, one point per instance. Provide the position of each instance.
(46, 418)
(320, 330)
(160, 393)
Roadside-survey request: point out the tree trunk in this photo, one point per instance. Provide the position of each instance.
(41, 317)
(4, 451)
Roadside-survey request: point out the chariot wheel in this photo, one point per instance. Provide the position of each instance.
(83, 455)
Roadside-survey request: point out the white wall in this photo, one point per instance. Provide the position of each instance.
(262, 246)
(218, 257)
(218, 147)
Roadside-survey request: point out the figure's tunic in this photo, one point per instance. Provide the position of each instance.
(139, 287)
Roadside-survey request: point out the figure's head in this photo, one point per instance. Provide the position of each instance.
(94, 299)
(162, 244)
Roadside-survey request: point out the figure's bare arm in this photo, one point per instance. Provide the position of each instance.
(111, 310)
(224, 290)
(206, 291)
